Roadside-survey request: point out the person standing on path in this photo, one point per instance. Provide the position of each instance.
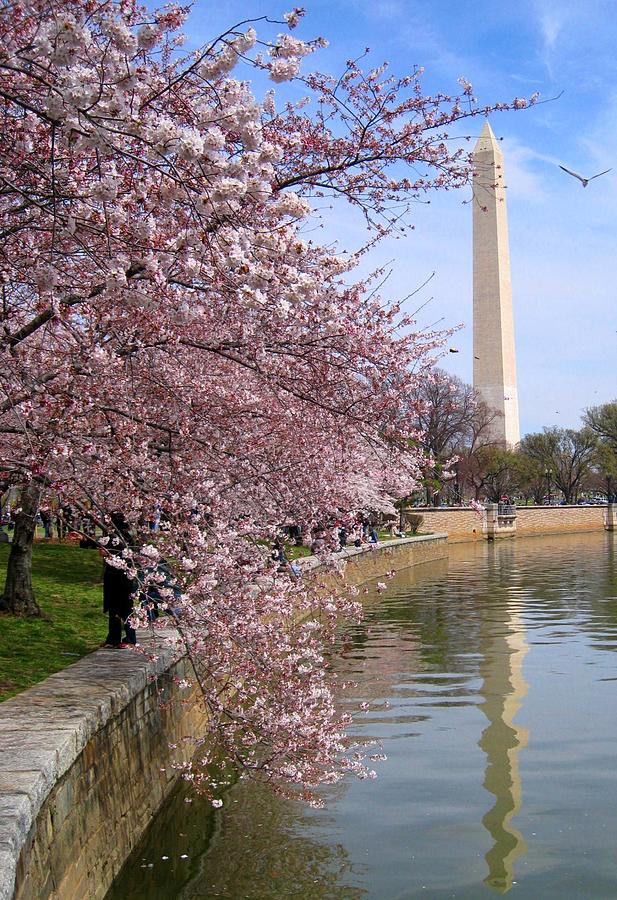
(118, 587)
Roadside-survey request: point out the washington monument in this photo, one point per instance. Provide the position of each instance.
(494, 365)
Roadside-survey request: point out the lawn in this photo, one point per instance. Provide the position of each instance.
(293, 552)
(68, 585)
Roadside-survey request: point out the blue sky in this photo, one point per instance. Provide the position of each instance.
(562, 237)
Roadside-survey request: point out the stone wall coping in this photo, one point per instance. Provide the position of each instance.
(558, 506)
(45, 728)
(418, 510)
(429, 509)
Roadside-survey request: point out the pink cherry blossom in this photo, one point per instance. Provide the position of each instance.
(176, 344)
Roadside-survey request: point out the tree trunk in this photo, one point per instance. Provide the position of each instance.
(401, 514)
(18, 597)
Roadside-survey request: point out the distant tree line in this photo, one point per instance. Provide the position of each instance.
(466, 464)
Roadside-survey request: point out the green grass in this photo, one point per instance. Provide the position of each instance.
(293, 552)
(68, 586)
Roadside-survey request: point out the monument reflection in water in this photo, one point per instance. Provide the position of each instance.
(467, 665)
(503, 687)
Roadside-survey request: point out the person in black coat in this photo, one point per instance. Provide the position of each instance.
(118, 587)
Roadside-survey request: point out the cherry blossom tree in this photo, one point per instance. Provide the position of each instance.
(174, 342)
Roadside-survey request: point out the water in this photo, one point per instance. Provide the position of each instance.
(492, 682)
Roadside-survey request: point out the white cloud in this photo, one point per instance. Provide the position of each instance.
(524, 174)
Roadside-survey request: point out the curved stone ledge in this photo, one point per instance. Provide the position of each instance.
(374, 560)
(84, 764)
(85, 756)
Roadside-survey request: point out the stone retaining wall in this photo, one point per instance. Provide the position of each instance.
(85, 757)
(559, 519)
(464, 524)
(85, 762)
(459, 522)
(362, 564)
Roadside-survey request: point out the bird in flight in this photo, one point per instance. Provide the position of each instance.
(453, 350)
(584, 181)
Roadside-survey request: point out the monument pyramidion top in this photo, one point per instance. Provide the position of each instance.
(487, 142)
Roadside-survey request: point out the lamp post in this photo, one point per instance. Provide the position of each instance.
(549, 476)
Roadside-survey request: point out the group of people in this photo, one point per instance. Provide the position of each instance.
(61, 520)
(365, 533)
(361, 533)
(341, 536)
(334, 538)
(120, 588)
(64, 520)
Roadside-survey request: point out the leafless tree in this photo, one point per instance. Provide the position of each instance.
(564, 454)
(603, 421)
(455, 422)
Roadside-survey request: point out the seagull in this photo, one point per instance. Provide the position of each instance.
(584, 181)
